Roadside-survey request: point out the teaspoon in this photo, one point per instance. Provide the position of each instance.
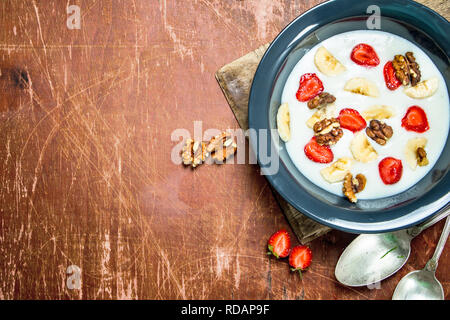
(422, 284)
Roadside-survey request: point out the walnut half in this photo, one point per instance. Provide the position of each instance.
(328, 131)
(321, 100)
(406, 69)
(414, 69)
(222, 147)
(379, 132)
(229, 148)
(194, 153)
(352, 186)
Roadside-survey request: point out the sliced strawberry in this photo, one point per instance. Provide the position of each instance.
(310, 86)
(300, 258)
(390, 170)
(350, 119)
(391, 80)
(318, 153)
(415, 119)
(279, 244)
(365, 55)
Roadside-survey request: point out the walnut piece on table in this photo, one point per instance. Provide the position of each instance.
(352, 186)
(218, 141)
(379, 132)
(187, 154)
(220, 148)
(194, 153)
(228, 149)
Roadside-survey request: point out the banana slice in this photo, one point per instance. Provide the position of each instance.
(362, 86)
(323, 113)
(361, 148)
(411, 150)
(378, 112)
(337, 171)
(423, 89)
(283, 122)
(327, 63)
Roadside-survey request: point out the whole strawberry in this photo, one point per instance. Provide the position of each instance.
(279, 244)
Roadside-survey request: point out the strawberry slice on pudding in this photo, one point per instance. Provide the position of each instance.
(310, 86)
(365, 55)
(392, 83)
(318, 153)
(415, 120)
(391, 170)
(350, 119)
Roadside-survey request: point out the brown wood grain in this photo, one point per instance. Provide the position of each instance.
(235, 80)
(86, 176)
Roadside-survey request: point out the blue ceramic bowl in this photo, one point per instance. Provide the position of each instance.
(405, 18)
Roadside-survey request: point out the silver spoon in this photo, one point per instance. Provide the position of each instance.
(371, 258)
(422, 284)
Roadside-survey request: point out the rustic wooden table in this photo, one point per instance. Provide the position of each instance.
(86, 177)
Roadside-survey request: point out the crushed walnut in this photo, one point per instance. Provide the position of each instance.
(406, 69)
(328, 131)
(422, 159)
(352, 186)
(220, 147)
(379, 132)
(321, 100)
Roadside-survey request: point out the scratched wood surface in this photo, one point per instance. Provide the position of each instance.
(235, 80)
(86, 176)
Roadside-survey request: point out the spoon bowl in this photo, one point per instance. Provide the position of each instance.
(371, 258)
(419, 285)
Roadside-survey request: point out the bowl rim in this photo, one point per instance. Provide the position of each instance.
(411, 213)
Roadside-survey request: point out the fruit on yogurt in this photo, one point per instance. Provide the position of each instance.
(338, 170)
(364, 55)
(283, 122)
(310, 86)
(361, 148)
(423, 89)
(391, 80)
(279, 244)
(327, 63)
(350, 119)
(414, 151)
(317, 153)
(378, 112)
(323, 113)
(415, 120)
(390, 170)
(362, 86)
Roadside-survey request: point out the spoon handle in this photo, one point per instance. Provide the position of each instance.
(433, 263)
(441, 214)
